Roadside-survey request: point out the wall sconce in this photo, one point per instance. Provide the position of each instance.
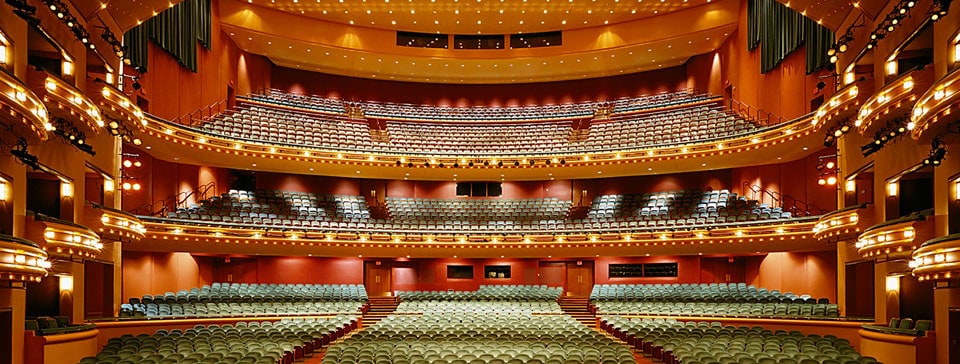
(67, 68)
(956, 189)
(66, 189)
(3, 189)
(849, 77)
(850, 185)
(108, 185)
(893, 283)
(3, 52)
(956, 51)
(892, 188)
(66, 283)
(109, 78)
(891, 67)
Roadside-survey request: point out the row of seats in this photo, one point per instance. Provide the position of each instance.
(492, 307)
(478, 338)
(253, 292)
(778, 310)
(660, 210)
(672, 342)
(487, 292)
(703, 292)
(272, 123)
(902, 326)
(280, 342)
(45, 325)
(244, 309)
(438, 112)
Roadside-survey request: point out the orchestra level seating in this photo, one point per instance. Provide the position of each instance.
(607, 213)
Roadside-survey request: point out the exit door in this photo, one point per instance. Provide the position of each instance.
(579, 278)
(377, 278)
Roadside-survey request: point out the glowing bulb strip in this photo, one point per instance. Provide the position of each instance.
(840, 223)
(888, 240)
(70, 240)
(22, 262)
(938, 101)
(841, 105)
(937, 258)
(119, 224)
(64, 99)
(160, 231)
(24, 105)
(117, 105)
(898, 94)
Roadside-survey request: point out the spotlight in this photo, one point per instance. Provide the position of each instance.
(127, 163)
(830, 165)
(832, 180)
(821, 181)
(821, 85)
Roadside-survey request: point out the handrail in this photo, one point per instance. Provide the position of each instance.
(200, 191)
(796, 206)
(197, 116)
(755, 114)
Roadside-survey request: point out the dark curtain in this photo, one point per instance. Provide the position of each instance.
(779, 30)
(176, 30)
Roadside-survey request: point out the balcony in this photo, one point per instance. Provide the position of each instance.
(22, 110)
(844, 224)
(843, 105)
(895, 238)
(116, 107)
(63, 239)
(937, 258)
(164, 235)
(22, 260)
(113, 224)
(932, 113)
(894, 100)
(65, 101)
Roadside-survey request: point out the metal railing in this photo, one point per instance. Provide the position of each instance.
(754, 114)
(196, 117)
(788, 203)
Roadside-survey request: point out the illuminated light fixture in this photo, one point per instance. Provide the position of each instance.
(956, 189)
(66, 189)
(893, 188)
(3, 53)
(66, 283)
(67, 68)
(832, 180)
(908, 84)
(108, 185)
(891, 67)
(956, 52)
(3, 189)
(109, 78)
(850, 185)
(893, 283)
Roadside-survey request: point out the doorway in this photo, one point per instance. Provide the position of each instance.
(579, 278)
(377, 277)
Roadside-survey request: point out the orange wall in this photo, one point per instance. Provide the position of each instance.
(316, 270)
(813, 273)
(157, 273)
(797, 180)
(220, 67)
(740, 68)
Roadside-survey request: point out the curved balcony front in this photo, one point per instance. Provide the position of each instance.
(22, 260)
(782, 142)
(895, 100)
(937, 258)
(115, 106)
(65, 101)
(933, 113)
(172, 234)
(844, 104)
(896, 238)
(63, 239)
(113, 224)
(23, 111)
(844, 224)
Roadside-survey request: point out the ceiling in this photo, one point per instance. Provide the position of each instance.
(637, 43)
(833, 13)
(478, 16)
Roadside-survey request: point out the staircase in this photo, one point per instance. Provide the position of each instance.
(577, 307)
(380, 307)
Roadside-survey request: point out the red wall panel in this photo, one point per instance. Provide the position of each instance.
(606, 88)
